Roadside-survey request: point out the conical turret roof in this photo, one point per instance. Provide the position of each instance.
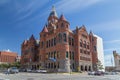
(32, 37)
(45, 29)
(53, 12)
(62, 17)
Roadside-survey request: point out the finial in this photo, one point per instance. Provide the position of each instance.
(53, 8)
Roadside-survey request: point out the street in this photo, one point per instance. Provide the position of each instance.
(51, 76)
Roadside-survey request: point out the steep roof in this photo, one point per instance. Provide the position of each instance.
(62, 17)
(32, 37)
(53, 12)
(45, 29)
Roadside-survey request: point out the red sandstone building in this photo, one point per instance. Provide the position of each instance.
(59, 48)
(7, 57)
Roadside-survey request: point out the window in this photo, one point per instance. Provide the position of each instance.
(42, 44)
(55, 55)
(51, 42)
(87, 46)
(70, 55)
(81, 51)
(49, 55)
(64, 37)
(81, 43)
(72, 42)
(73, 55)
(49, 65)
(52, 54)
(69, 40)
(58, 64)
(66, 54)
(60, 37)
(57, 26)
(73, 66)
(66, 26)
(84, 52)
(62, 25)
(47, 44)
(95, 48)
(84, 45)
(58, 54)
(54, 41)
(88, 53)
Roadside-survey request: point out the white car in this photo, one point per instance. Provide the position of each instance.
(28, 70)
(91, 73)
(41, 71)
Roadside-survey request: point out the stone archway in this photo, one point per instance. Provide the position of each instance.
(85, 68)
(89, 68)
(81, 67)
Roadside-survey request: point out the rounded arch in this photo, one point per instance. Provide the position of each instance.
(81, 67)
(85, 68)
(89, 68)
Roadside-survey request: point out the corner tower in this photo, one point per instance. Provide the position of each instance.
(52, 19)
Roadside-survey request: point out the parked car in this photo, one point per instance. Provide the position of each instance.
(14, 70)
(22, 70)
(41, 71)
(28, 70)
(99, 73)
(91, 73)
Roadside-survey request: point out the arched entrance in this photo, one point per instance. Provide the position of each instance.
(89, 68)
(85, 68)
(81, 67)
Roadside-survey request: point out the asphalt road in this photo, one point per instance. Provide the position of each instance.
(39, 76)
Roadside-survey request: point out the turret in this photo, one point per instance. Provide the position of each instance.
(53, 18)
(63, 23)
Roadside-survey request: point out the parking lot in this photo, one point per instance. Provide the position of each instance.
(54, 76)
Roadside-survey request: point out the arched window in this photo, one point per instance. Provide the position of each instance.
(54, 41)
(85, 68)
(60, 37)
(64, 37)
(72, 42)
(67, 54)
(81, 68)
(89, 68)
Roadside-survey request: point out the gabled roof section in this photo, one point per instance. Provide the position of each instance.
(82, 28)
(25, 42)
(32, 38)
(45, 29)
(53, 12)
(91, 33)
(62, 17)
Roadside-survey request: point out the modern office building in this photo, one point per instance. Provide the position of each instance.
(100, 51)
(59, 48)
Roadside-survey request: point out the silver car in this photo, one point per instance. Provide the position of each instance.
(14, 70)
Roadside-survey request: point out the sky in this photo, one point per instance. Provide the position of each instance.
(19, 19)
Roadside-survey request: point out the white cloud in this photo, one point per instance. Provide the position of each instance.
(74, 5)
(107, 26)
(112, 41)
(111, 49)
(27, 10)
